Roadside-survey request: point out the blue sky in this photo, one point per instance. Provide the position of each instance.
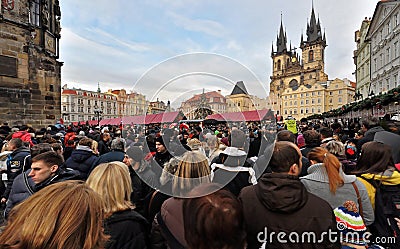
(173, 49)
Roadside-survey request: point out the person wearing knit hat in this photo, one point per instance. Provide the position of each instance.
(143, 178)
(162, 155)
(353, 232)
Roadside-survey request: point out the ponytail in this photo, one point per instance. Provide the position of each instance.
(331, 164)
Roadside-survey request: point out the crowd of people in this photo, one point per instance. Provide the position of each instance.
(232, 185)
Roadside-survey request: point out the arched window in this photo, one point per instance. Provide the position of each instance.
(279, 65)
(311, 56)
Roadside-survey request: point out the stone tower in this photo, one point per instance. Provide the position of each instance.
(289, 70)
(30, 73)
(313, 50)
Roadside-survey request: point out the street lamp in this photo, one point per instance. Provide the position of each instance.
(371, 94)
(357, 95)
(98, 112)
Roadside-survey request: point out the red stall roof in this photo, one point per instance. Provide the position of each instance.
(255, 115)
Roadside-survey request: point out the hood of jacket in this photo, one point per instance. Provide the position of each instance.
(21, 149)
(80, 156)
(281, 193)
(386, 178)
(317, 172)
(373, 130)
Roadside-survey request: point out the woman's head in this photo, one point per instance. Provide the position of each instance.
(375, 158)
(336, 148)
(112, 181)
(331, 164)
(193, 169)
(213, 142)
(63, 215)
(214, 221)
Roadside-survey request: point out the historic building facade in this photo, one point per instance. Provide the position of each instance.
(83, 105)
(362, 59)
(240, 100)
(384, 34)
(215, 101)
(30, 73)
(158, 106)
(308, 100)
(299, 86)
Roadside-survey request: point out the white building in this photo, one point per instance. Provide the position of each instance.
(83, 105)
(384, 36)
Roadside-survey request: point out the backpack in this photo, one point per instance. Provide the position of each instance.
(387, 207)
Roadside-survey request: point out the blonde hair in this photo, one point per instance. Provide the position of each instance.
(95, 146)
(194, 143)
(193, 170)
(213, 140)
(63, 215)
(112, 181)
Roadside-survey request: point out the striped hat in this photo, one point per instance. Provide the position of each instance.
(350, 224)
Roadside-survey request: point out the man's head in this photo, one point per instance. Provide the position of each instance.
(44, 166)
(118, 144)
(286, 135)
(160, 145)
(286, 158)
(14, 144)
(325, 132)
(367, 124)
(311, 137)
(237, 139)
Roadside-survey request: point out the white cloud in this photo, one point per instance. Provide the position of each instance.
(208, 27)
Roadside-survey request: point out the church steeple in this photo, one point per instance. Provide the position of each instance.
(281, 40)
(314, 31)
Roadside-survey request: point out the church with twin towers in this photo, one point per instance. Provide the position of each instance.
(299, 85)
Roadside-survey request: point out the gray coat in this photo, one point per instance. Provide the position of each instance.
(317, 183)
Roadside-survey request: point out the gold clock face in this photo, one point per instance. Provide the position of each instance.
(293, 59)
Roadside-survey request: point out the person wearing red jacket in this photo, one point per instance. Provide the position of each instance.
(24, 135)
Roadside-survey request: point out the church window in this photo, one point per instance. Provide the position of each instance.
(279, 65)
(311, 56)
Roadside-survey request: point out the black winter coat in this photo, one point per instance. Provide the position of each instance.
(18, 161)
(114, 155)
(82, 161)
(281, 203)
(128, 229)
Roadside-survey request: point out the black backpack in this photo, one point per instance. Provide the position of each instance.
(387, 207)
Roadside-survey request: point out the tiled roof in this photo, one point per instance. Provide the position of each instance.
(209, 95)
(69, 91)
